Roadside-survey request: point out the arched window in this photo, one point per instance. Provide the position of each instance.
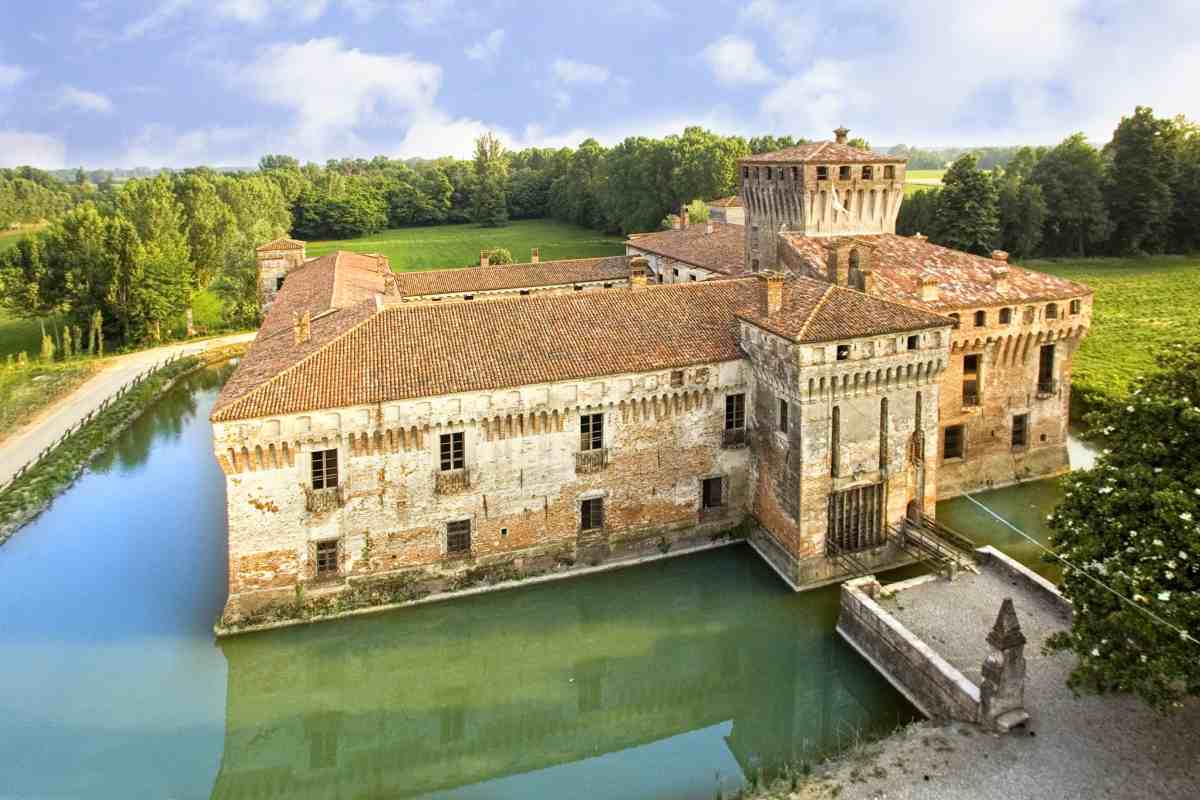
(835, 442)
(854, 259)
(1006, 316)
(1052, 311)
(980, 319)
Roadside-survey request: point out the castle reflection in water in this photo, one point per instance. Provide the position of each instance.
(454, 694)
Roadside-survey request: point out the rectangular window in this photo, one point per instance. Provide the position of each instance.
(783, 416)
(458, 536)
(711, 493)
(591, 431)
(1075, 306)
(868, 173)
(327, 558)
(952, 446)
(677, 378)
(324, 469)
(1020, 430)
(591, 514)
(843, 352)
(524, 292)
(453, 453)
(468, 297)
(843, 173)
(822, 173)
(735, 412)
(971, 364)
(914, 342)
(279, 282)
(889, 173)
(675, 273)
(1046, 369)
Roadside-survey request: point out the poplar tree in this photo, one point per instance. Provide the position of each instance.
(1141, 171)
(967, 216)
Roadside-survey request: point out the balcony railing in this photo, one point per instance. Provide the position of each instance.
(733, 437)
(1047, 387)
(590, 461)
(452, 481)
(970, 399)
(319, 501)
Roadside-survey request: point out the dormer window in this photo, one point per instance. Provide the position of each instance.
(843, 173)
(889, 173)
(868, 173)
(822, 173)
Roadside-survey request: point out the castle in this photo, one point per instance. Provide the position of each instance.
(807, 381)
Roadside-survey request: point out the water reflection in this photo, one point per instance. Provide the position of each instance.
(646, 682)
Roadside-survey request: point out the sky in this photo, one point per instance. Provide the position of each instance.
(124, 83)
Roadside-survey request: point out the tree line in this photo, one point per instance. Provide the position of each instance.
(1138, 194)
(131, 258)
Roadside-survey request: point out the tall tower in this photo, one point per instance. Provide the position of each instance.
(275, 259)
(818, 189)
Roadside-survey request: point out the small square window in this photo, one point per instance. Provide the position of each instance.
(324, 469)
(524, 292)
(1052, 311)
(868, 173)
(971, 363)
(889, 173)
(691, 277)
(675, 273)
(578, 288)
(677, 377)
(843, 173)
(952, 446)
(327, 558)
(822, 173)
(591, 514)
(458, 536)
(452, 451)
(608, 286)
(843, 352)
(1006, 316)
(468, 297)
(914, 342)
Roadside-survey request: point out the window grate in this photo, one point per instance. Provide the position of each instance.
(458, 536)
(327, 558)
(591, 514)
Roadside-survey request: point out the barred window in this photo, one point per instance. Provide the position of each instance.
(324, 469)
(735, 412)
(453, 451)
(458, 536)
(327, 558)
(591, 514)
(591, 431)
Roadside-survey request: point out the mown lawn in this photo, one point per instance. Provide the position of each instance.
(18, 334)
(1141, 306)
(26, 392)
(925, 174)
(459, 245)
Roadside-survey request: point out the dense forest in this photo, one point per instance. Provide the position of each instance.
(1138, 194)
(135, 251)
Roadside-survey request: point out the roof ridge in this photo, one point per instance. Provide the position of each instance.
(820, 146)
(216, 410)
(812, 314)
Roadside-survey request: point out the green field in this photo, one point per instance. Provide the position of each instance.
(1141, 306)
(18, 334)
(459, 245)
(925, 174)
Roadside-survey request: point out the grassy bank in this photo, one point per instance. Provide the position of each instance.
(31, 493)
(26, 391)
(9, 238)
(1141, 305)
(459, 245)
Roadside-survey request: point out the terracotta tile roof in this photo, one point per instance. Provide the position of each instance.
(281, 244)
(334, 281)
(722, 251)
(826, 151)
(901, 263)
(733, 201)
(816, 311)
(512, 276)
(420, 350)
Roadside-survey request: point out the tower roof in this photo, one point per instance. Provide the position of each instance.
(826, 151)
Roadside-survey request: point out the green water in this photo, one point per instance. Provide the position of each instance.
(663, 681)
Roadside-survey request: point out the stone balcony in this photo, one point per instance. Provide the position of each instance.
(318, 501)
(452, 481)
(588, 462)
(734, 437)
(1047, 387)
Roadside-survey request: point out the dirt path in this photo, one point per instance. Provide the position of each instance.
(54, 421)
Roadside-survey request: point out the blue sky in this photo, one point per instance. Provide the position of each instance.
(179, 82)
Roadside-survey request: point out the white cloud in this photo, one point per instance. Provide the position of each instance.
(11, 75)
(793, 26)
(82, 100)
(258, 10)
(162, 146)
(734, 60)
(488, 48)
(163, 13)
(18, 148)
(569, 71)
(425, 13)
(250, 12)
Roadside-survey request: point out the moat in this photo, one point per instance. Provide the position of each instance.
(666, 680)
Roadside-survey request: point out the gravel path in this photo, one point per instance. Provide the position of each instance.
(52, 423)
(1081, 748)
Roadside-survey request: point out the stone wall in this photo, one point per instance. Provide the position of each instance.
(274, 265)
(1008, 386)
(919, 673)
(663, 269)
(521, 489)
(564, 288)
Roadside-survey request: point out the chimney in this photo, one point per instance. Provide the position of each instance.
(772, 291)
(929, 289)
(637, 272)
(483, 257)
(868, 281)
(1000, 255)
(534, 256)
(683, 217)
(708, 227)
(840, 134)
(1000, 277)
(920, 237)
(674, 222)
(301, 327)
